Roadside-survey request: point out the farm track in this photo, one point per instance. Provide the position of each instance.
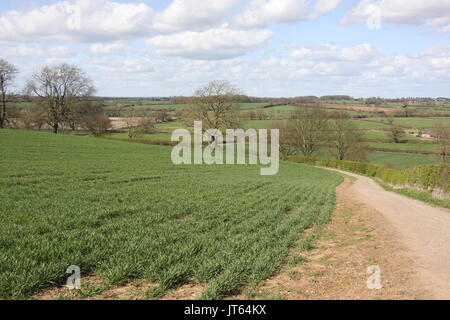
(422, 229)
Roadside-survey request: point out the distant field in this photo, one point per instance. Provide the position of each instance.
(374, 134)
(364, 124)
(402, 160)
(156, 136)
(373, 130)
(281, 110)
(258, 124)
(123, 211)
(405, 146)
(251, 106)
(169, 126)
(418, 123)
(160, 106)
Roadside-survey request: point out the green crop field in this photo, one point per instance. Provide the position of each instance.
(123, 211)
(251, 106)
(400, 160)
(281, 110)
(418, 123)
(150, 107)
(405, 146)
(368, 125)
(154, 137)
(376, 134)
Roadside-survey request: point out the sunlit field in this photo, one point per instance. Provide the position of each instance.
(123, 211)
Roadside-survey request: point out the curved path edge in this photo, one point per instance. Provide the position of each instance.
(423, 230)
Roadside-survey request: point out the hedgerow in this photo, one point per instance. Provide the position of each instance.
(427, 177)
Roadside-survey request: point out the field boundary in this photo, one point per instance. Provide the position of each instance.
(431, 179)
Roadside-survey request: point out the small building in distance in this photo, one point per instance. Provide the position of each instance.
(427, 134)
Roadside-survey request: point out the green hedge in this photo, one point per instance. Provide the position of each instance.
(427, 177)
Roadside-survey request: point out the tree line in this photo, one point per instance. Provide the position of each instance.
(61, 96)
(308, 129)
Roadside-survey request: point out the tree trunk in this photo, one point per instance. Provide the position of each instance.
(55, 128)
(3, 112)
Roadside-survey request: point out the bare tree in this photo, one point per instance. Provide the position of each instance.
(162, 116)
(261, 114)
(96, 124)
(346, 138)
(59, 88)
(442, 133)
(306, 130)
(7, 75)
(214, 105)
(131, 119)
(34, 117)
(79, 110)
(396, 133)
(137, 123)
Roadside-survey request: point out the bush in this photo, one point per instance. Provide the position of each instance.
(428, 177)
(96, 124)
(305, 160)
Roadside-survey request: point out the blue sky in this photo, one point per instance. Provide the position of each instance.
(387, 48)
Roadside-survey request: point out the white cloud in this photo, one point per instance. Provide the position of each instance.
(36, 50)
(195, 29)
(334, 53)
(359, 70)
(220, 43)
(193, 14)
(115, 48)
(324, 6)
(107, 20)
(432, 14)
(260, 13)
(80, 20)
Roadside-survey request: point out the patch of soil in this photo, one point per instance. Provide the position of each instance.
(336, 268)
(360, 108)
(94, 288)
(186, 292)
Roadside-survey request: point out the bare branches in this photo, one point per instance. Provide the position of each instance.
(60, 88)
(313, 128)
(137, 124)
(306, 130)
(8, 73)
(214, 105)
(442, 133)
(345, 138)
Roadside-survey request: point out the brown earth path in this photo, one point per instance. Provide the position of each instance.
(422, 229)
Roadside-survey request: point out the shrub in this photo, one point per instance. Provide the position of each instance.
(426, 177)
(97, 124)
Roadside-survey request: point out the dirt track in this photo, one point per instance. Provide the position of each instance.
(423, 230)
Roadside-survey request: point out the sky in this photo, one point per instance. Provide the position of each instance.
(267, 48)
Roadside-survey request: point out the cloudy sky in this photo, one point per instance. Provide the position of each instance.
(388, 48)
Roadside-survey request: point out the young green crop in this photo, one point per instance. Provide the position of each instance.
(122, 211)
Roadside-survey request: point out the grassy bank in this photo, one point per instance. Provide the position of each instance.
(428, 179)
